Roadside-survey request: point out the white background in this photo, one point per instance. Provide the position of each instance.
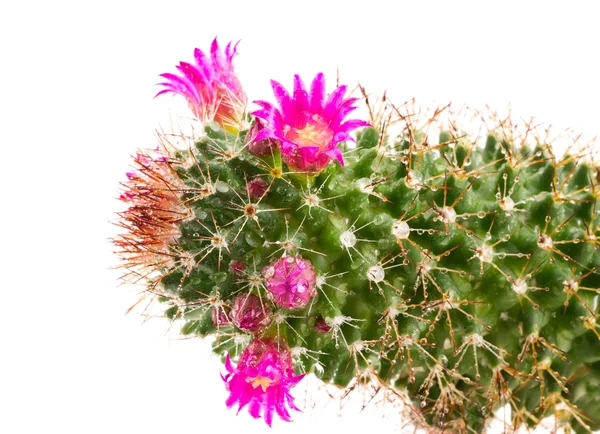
(77, 81)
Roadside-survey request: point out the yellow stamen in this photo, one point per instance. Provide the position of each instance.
(263, 382)
(307, 133)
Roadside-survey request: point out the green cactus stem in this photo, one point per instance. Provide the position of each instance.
(458, 269)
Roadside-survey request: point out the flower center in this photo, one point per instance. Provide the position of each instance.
(257, 381)
(314, 133)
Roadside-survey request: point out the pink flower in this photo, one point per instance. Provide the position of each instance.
(211, 88)
(291, 280)
(308, 125)
(249, 313)
(262, 380)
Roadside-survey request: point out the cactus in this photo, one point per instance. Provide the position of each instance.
(457, 269)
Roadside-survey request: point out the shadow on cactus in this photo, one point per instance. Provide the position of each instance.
(457, 270)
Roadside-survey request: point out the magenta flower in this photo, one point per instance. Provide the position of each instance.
(249, 313)
(211, 88)
(262, 380)
(308, 125)
(291, 280)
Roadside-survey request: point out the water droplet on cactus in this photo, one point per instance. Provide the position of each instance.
(269, 272)
(253, 239)
(414, 179)
(356, 264)
(219, 277)
(481, 214)
(379, 219)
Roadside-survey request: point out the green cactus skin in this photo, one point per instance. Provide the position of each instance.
(459, 270)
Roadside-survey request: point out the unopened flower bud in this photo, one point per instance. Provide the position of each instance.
(321, 325)
(256, 188)
(220, 316)
(237, 267)
(263, 147)
(250, 314)
(291, 281)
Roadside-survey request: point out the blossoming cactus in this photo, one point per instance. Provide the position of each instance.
(459, 271)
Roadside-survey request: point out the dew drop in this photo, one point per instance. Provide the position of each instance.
(222, 187)
(481, 214)
(269, 272)
(379, 219)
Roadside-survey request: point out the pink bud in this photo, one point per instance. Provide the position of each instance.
(256, 188)
(321, 325)
(237, 267)
(291, 281)
(261, 147)
(250, 314)
(220, 316)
